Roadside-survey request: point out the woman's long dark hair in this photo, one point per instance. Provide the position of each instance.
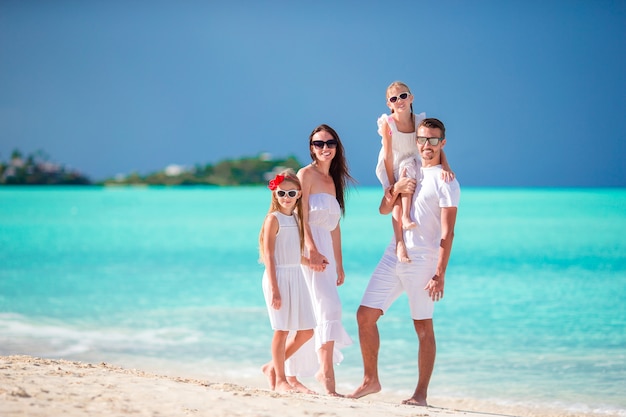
(338, 166)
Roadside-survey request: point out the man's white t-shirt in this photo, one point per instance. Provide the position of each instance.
(431, 194)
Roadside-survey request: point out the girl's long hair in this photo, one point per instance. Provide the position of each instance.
(290, 176)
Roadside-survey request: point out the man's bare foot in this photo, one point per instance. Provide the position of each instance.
(408, 224)
(268, 370)
(365, 389)
(283, 386)
(299, 386)
(416, 401)
(401, 253)
(328, 383)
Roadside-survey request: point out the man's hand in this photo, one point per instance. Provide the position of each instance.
(405, 184)
(435, 288)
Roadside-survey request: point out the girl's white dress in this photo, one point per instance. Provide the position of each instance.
(404, 150)
(324, 216)
(296, 311)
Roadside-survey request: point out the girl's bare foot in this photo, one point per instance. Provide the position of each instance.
(299, 386)
(283, 386)
(408, 224)
(268, 370)
(401, 252)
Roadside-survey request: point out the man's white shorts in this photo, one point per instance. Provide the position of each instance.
(391, 278)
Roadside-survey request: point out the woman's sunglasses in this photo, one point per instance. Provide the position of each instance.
(433, 141)
(290, 193)
(332, 143)
(401, 96)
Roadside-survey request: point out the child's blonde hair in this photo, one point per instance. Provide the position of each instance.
(288, 175)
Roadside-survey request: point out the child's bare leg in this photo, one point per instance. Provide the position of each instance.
(299, 386)
(407, 223)
(293, 344)
(401, 251)
(268, 371)
(278, 360)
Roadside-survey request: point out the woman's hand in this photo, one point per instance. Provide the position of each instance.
(341, 276)
(317, 261)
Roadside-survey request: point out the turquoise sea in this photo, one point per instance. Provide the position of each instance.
(534, 313)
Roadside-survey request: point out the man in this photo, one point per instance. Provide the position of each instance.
(434, 211)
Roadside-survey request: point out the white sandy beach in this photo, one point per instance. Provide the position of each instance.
(44, 387)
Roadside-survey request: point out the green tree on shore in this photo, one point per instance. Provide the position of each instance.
(36, 169)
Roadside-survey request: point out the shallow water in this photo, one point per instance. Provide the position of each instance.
(534, 307)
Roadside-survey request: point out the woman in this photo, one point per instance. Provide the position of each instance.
(323, 185)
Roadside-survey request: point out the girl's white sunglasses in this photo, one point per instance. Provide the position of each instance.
(290, 193)
(401, 96)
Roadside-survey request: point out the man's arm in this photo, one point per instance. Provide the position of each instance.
(436, 284)
(448, 220)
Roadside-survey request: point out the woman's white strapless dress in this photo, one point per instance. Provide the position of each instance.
(324, 216)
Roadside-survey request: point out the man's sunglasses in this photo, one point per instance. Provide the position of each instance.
(401, 96)
(290, 193)
(433, 141)
(332, 143)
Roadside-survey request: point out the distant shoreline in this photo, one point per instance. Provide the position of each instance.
(35, 169)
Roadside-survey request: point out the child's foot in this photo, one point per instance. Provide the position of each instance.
(268, 371)
(401, 253)
(283, 386)
(407, 224)
(299, 386)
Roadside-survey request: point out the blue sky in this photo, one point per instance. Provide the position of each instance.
(533, 93)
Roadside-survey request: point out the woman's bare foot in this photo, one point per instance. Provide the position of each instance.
(268, 370)
(299, 386)
(401, 252)
(328, 383)
(366, 389)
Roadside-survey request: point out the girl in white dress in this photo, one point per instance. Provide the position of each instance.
(398, 155)
(286, 293)
(323, 185)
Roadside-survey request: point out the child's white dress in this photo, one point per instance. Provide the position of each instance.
(404, 150)
(296, 310)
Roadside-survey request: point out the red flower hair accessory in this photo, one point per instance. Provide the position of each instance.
(273, 184)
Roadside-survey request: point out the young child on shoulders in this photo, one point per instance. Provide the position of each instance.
(399, 155)
(287, 297)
